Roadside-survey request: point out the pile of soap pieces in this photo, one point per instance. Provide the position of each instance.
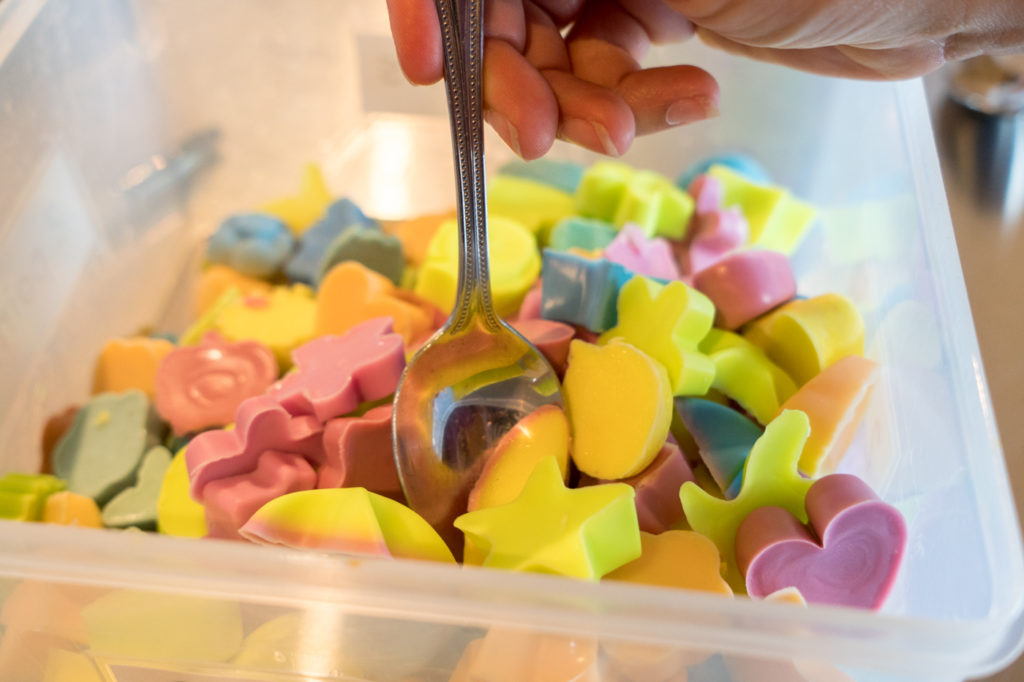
(708, 405)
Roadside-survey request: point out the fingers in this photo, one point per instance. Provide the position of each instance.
(665, 97)
(526, 115)
(417, 36)
(592, 116)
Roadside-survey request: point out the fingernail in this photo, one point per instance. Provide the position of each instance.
(690, 110)
(505, 130)
(590, 135)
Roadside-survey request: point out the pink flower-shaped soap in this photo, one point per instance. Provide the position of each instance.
(201, 386)
(261, 424)
(334, 374)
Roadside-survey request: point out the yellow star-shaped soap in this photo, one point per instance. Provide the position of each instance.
(582, 533)
(667, 321)
(770, 478)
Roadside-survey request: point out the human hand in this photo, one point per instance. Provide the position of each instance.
(586, 86)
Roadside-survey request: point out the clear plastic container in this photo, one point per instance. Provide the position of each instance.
(128, 130)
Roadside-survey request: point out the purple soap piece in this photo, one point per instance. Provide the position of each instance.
(230, 502)
(707, 192)
(717, 234)
(862, 544)
(658, 506)
(746, 284)
(261, 424)
(643, 255)
(336, 373)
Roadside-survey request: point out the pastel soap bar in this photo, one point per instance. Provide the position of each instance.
(581, 291)
(334, 374)
(746, 284)
(563, 175)
(668, 322)
(136, 505)
(281, 320)
(619, 403)
(514, 265)
(643, 255)
(835, 401)
(724, 438)
(201, 386)
(359, 454)
(542, 433)
(349, 520)
(777, 220)
(617, 193)
(862, 544)
(99, 455)
(583, 532)
(254, 244)
(125, 364)
(66, 508)
(717, 234)
(535, 205)
(304, 263)
(376, 250)
(770, 478)
(581, 233)
(807, 335)
(216, 280)
(23, 496)
(676, 558)
(551, 338)
(506, 655)
(231, 501)
(656, 489)
(176, 512)
(301, 210)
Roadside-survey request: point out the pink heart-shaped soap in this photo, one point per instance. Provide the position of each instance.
(862, 544)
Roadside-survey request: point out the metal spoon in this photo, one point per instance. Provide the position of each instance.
(476, 377)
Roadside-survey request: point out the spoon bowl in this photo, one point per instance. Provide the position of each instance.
(476, 377)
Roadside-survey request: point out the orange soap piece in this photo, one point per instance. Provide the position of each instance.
(416, 233)
(215, 280)
(542, 433)
(352, 293)
(125, 364)
(834, 401)
(676, 558)
(505, 655)
(71, 509)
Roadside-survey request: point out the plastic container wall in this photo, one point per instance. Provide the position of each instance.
(128, 130)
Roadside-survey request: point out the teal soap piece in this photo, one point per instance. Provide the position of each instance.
(101, 452)
(581, 291)
(563, 175)
(581, 233)
(135, 506)
(22, 496)
(376, 250)
(724, 438)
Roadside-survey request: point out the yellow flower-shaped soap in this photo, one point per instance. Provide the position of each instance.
(583, 532)
(282, 320)
(806, 336)
(514, 265)
(619, 403)
(668, 321)
(301, 210)
(124, 364)
(770, 478)
(349, 520)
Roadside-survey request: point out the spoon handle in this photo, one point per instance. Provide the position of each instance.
(462, 38)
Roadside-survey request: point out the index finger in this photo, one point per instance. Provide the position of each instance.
(417, 36)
